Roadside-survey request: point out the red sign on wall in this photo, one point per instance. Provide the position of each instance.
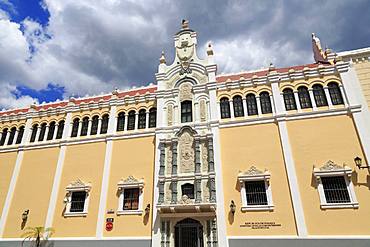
(109, 226)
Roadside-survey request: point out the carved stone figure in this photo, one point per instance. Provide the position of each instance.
(185, 92)
(186, 152)
(185, 200)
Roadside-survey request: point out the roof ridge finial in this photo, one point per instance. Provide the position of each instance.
(185, 24)
(209, 49)
(162, 59)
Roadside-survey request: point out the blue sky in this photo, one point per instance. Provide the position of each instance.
(52, 49)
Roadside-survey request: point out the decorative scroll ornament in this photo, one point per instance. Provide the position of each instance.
(185, 200)
(186, 152)
(78, 185)
(185, 92)
(252, 171)
(130, 181)
(330, 166)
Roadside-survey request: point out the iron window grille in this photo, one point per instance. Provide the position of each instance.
(51, 131)
(335, 189)
(42, 132)
(78, 201)
(131, 120)
(34, 132)
(225, 108)
(84, 126)
(75, 124)
(256, 193)
(142, 119)
(12, 135)
(152, 117)
(60, 130)
(251, 105)
(319, 95)
(20, 135)
(131, 199)
(335, 94)
(121, 121)
(94, 125)
(238, 106)
(265, 103)
(104, 124)
(289, 99)
(186, 111)
(304, 98)
(188, 190)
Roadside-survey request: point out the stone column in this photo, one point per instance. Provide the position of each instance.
(38, 133)
(99, 126)
(161, 158)
(258, 105)
(327, 94)
(56, 126)
(147, 120)
(297, 102)
(174, 157)
(312, 97)
(174, 192)
(245, 107)
(212, 189)
(79, 128)
(7, 135)
(89, 127)
(344, 96)
(161, 192)
(136, 121)
(211, 163)
(231, 105)
(214, 233)
(197, 156)
(198, 189)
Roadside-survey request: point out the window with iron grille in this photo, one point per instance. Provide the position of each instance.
(142, 119)
(12, 135)
(238, 106)
(335, 94)
(94, 125)
(256, 193)
(304, 97)
(131, 199)
(76, 122)
(186, 111)
(252, 105)
(188, 190)
(131, 120)
(319, 95)
(265, 103)
(20, 135)
(335, 189)
(152, 117)
(34, 132)
(60, 130)
(51, 131)
(78, 201)
(104, 124)
(121, 121)
(3, 136)
(225, 108)
(84, 126)
(42, 132)
(289, 99)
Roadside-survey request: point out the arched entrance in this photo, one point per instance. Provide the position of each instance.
(188, 233)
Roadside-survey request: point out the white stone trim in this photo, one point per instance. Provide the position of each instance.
(130, 183)
(253, 174)
(77, 186)
(332, 169)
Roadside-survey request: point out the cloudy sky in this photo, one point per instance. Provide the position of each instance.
(52, 49)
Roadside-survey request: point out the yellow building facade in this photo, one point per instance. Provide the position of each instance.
(274, 157)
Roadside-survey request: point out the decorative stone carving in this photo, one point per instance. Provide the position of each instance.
(78, 185)
(252, 171)
(203, 111)
(169, 115)
(130, 181)
(186, 92)
(205, 190)
(185, 200)
(186, 152)
(330, 166)
(169, 161)
(204, 152)
(168, 193)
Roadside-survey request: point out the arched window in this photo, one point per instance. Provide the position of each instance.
(20, 135)
(34, 132)
(251, 104)
(60, 129)
(104, 124)
(225, 107)
(3, 136)
(152, 117)
(121, 121)
(335, 94)
(42, 132)
(289, 99)
(142, 119)
(304, 97)
(188, 189)
(238, 106)
(84, 126)
(186, 111)
(131, 120)
(265, 103)
(75, 124)
(94, 125)
(11, 135)
(319, 95)
(51, 131)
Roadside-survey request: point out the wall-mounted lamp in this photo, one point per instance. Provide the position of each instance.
(25, 215)
(358, 162)
(147, 209)
(232, 207)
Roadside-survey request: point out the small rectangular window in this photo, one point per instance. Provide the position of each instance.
(131, 199)
(335, 189)
(186, 112)
(78, 201)
(256, 193)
